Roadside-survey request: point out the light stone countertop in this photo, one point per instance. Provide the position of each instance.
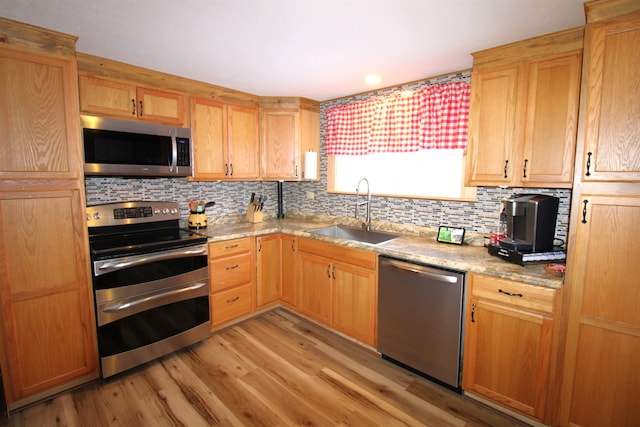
(421, 248)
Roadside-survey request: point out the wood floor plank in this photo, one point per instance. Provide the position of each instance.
(277, 369)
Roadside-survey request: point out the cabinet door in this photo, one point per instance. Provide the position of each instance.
(506, 356)
(44, 291)
(354, 301)
(160, 106)
(611, 151)
(209, 132)
(601, 366)
(289, 270)
(551, 121)
(108, 98)
(268, 283)
(280, 145)
(492, 130)
(244, 148)
(315, 287)
(39, 126)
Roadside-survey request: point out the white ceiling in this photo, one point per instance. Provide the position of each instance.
(319, 49)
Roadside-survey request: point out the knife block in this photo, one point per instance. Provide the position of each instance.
(253, 215)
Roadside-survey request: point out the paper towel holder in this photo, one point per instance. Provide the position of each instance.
(310, 165)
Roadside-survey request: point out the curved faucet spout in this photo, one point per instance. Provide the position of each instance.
(367, 223)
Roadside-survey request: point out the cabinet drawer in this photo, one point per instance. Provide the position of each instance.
(228, 247)
(230, 304)
(519, 294)
(230, 271)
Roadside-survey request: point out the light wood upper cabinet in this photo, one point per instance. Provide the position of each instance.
(612, 134)
(508, 343)
(244, 142)
(39, 116)
(225, 140)
(524, 111)
(118, 99)
(290, 127)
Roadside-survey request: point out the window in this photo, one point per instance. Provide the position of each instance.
(437, 174)
(408, 144)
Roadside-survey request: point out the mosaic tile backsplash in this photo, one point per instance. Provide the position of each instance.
(231, 198)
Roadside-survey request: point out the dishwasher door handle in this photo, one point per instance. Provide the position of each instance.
(430, 273)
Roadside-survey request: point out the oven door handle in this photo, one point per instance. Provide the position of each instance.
(133, 301)
(104, 267)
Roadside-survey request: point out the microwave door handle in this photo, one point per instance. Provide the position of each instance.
(174, 154)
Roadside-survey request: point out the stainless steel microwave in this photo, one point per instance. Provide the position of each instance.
(124, 148)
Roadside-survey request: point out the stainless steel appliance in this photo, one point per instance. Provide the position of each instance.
(420, 318)
(127, 148)
(531, 222)
(151, 282)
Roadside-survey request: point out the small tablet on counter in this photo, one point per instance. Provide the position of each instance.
(452, 235)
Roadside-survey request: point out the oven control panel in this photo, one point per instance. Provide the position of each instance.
(136, 212)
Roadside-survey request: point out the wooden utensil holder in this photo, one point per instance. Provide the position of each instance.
(253, 215)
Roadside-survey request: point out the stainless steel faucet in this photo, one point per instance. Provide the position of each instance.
(367, 223)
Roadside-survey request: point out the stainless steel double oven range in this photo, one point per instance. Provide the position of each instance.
(151, 282)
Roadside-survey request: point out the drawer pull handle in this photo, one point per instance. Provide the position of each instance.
(133, 107)
(473, 313)
(524, 169)
(232, 267)
(511, 294)
(329, 271)
(234, 299)
(231, 246)
(589, 154)
(506, 166)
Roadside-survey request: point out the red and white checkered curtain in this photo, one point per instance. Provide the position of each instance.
(433, 117)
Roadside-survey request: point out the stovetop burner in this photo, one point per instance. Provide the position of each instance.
(130, 228)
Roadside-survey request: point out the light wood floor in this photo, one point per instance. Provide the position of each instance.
(273, 370)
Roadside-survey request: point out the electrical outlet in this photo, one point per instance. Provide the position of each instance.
(311, 195)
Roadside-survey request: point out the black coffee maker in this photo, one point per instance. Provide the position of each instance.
(530, 222)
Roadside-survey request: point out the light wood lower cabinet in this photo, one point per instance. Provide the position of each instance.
(338, 287)
(232, 278)
(289, 270)
(509, 343)
(46, 317)
(602, 366)
(277, 266)
(269, 271)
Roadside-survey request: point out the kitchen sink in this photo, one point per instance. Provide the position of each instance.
(353, 233)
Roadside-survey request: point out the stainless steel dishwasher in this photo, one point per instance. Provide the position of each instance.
(420, 318)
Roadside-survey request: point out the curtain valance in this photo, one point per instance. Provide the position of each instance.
(432, 117)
